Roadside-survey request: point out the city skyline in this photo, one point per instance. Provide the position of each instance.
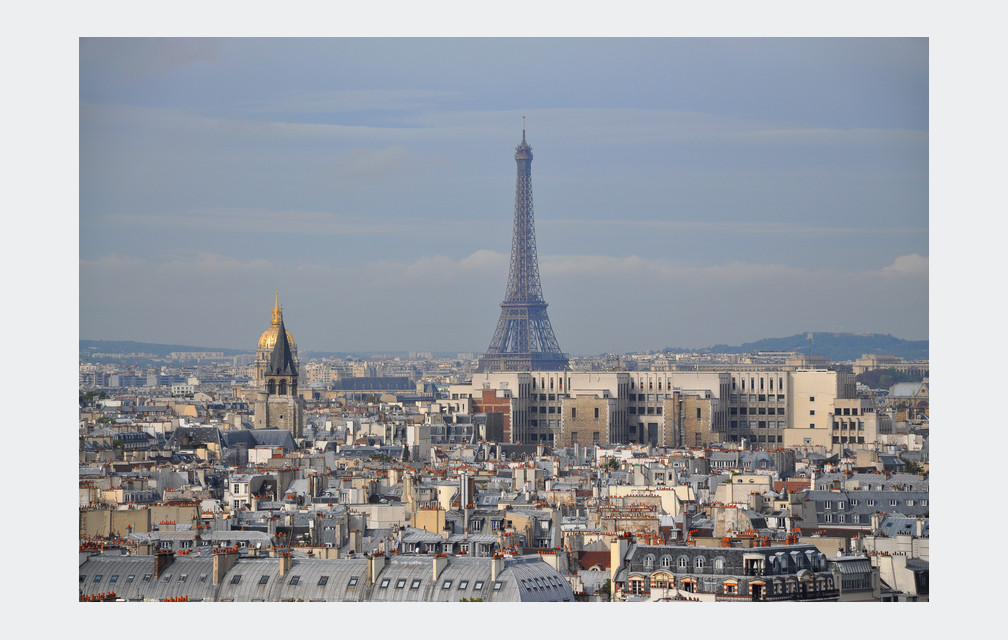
(714, 191)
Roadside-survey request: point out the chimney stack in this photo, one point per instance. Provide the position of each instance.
(496, 567)
(440, 562)
(162, 561)
(376, 562)
(221, 563)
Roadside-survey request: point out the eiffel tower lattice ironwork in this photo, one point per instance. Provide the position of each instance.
(524, 339)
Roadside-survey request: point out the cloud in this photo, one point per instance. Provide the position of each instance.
(354, 100)
(733, 227)
(360, 163)
(266, 221)
(597, 303)
(912, 266)
(132, 59)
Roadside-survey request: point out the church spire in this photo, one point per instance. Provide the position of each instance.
(281, 362)
(277, 313)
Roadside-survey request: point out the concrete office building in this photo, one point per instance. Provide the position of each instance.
(768, 408)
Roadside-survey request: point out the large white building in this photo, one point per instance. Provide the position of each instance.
(765, 408)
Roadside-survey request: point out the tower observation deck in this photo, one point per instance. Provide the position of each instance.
(523, 340)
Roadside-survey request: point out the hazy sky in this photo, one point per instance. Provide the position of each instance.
(687, 192)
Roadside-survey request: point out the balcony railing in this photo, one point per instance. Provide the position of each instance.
(808, 596)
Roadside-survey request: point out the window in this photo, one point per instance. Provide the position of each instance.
(596, 413)
(829, 517)
(463, 584)
(699, 562)
(840, 505)
(147, 577)
(98, 578)
(236, 579)
(323, 581)
(129, 578)
(478, 585)
(384, 583)
(683, 562)
(116, 577)
(263, 579)
(294, 580)
(649, 562)
(352, 583)
(573, 412)
(811, 412)
(498, 585)
(446, 584)
(811, 399)
(871, 502)
(181, 578)
(400, 583)
(827, 505)
(666, 561)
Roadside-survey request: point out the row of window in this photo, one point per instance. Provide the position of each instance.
(650, 411)
(384, 584)
(757, 411)
(649, 397)
(683, 562)
(828, 504)
(758, 424)
(848, 425)
(146, 578)
(756, 397)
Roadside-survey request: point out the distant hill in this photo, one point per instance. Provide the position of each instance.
(834, 346)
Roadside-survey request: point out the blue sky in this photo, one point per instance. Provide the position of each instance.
(687, 191)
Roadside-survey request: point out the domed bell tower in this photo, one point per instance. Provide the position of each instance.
(277, 405)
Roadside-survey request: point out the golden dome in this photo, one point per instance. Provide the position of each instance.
(268, 338)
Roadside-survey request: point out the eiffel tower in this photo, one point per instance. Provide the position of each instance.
(524, 339)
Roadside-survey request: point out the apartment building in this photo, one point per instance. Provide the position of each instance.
(765, 408)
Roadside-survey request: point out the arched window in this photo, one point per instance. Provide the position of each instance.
(683, 562)
(283, 388)
(666, 561)
(649, 562)
(719, 563)
(271, 387)
(662, 580)
(699, 562)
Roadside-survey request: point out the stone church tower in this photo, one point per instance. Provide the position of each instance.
(277, 405)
